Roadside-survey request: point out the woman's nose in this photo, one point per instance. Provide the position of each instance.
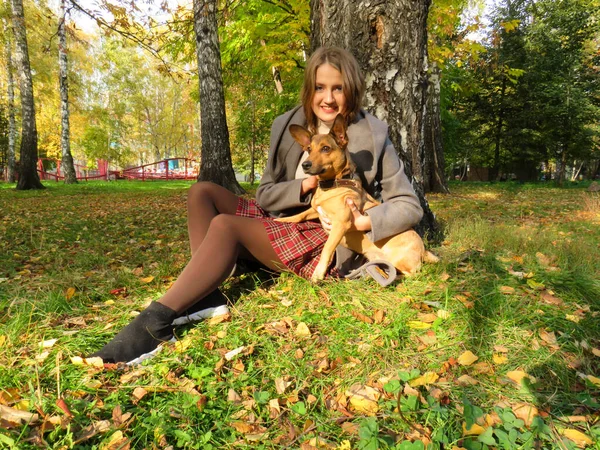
(329, 96)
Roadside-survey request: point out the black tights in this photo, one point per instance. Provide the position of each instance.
(217, 238)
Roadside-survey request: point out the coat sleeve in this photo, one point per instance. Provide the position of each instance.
(400, 209)
(276, 191)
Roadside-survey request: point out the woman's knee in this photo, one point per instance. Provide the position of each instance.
(219, 198)
(201, 190)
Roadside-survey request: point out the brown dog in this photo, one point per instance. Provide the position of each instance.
(329, 159)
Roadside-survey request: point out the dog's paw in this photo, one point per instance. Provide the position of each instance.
(318, 274)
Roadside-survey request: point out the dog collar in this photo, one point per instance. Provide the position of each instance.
(331, 184)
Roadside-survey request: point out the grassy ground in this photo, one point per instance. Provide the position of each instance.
(497, 346)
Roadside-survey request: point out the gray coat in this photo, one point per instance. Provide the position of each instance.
(378, 166)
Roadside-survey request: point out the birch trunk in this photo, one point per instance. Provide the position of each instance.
(389, 40)
(28, 176)
(12, 128)
(215, 164)
(65, 139)
(434, 176)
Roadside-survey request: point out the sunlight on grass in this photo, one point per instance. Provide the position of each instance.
(517, 287)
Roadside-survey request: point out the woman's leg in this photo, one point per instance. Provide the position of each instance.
(211, 263)
(205, 201)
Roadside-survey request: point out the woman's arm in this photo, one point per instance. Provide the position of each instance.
(400, 209)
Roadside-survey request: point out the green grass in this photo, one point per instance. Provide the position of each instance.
(518, 286)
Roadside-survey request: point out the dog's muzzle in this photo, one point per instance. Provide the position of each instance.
(306, 165)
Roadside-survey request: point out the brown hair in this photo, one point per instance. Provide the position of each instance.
(353, 87)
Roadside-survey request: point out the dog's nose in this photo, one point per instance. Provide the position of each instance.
(306, 165)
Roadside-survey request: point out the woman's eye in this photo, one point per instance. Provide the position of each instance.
(339, 88)
(319, 88)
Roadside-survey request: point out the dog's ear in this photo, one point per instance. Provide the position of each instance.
(301, 135)
(338, 130)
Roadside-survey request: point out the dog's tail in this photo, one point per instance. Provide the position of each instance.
(429, 257)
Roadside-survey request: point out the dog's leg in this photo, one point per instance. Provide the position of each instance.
(309, 214)
(336, 234)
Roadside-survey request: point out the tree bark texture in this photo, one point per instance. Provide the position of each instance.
(28, 176)
(12, 127)
(389, 40)
(65, 139)
(434, 176)
(215, 162)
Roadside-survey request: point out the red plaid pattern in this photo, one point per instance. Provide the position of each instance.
(298, 245)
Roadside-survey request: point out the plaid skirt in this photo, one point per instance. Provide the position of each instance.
(298, 245)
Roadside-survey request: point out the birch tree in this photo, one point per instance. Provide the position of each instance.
(389, 40)
(215, 162)
(65, 139)
(28, 176)
(10, 88)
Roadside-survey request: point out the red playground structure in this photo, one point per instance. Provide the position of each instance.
(167, 169)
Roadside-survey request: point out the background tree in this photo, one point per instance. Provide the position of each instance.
(28, 176)
(65, 142)
(11, 128)
(389, 39)
(215, 162)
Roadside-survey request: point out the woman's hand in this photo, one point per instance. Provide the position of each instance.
(308, 184)
(360, 222)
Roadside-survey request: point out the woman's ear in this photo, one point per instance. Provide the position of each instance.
(301, 135)
(338, 130)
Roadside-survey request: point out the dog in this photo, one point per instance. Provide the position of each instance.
(329, 159)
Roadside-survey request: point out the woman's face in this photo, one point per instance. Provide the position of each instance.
(329, 99)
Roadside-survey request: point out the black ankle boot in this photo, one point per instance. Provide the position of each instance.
(142, 336)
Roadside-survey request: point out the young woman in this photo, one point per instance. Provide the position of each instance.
(224, 228)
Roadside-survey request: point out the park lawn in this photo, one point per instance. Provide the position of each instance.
(496, 346)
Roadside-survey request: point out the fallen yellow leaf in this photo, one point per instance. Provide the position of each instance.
(595, 351)
(573, 318)
(418, 325)
(525, 412)
(425, 379)
(466, 380)
(70, 293)
(147, 279)
(578, 437)
(302, 330)
(499, 358)
(594, 380)
(363, 399)
(467, 358)
(518, 376)
(474, 430)
(507, 290)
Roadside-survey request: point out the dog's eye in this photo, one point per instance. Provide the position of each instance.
(325, 149)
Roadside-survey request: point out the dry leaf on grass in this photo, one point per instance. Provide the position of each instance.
(518, 376)
(362, 317)
(363, 399)
(418, 325)
(302, 330)
(466, 380)
(474, 430)
(499, 358)
(16, 416)
(580, 439)
(525, 412)
(548, 337)
(425, 379)
(137, 394)
(281, 385)
(116, 441)
(467, 358)
(507, 290)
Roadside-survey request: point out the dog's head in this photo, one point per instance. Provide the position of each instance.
(328, 157)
